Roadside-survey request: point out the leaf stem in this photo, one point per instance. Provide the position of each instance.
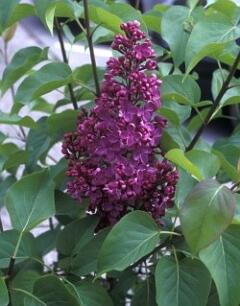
(90, 45)
(65, 59)
(215, 104)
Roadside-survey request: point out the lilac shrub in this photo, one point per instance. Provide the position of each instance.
(114, 156)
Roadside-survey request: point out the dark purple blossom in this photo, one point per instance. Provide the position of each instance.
(111, 155)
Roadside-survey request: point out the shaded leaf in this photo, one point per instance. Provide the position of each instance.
(206, 213)
(222, 260)
(21, 63)
(47, 288)
(76, 235)
(8, 242)
(174, 33)
(180, 89)
(17, 120)
(40, 82)
(179, 283)
(93, 294)
(3, 293)
(117, 252)
(30, 201)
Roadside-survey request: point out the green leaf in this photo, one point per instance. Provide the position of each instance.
(6, 9)
(126, 12)
(230, 148)
(184, 186)
(93, 294)
(42, 81)
(230, 170)
(174, 137)
(21, 63)
(60, 123)
(199, 157)
(180, 89)
(85, 261)
(206, 213)
(231, 96)
(182, 112)
(8, 242)
(16, 159)
(22, 287)
(7, 152)
(179, 158)
(117, 252)
(48, 9)
(174, 33)
(17, 120)
(38, 142)
(228, 8)
(76, 235)
(208, 38)
(145, 293)
(152, 20)
(4, 186)
(222, 260)
(66, 206)
(181, 283)
(103, 16)
(3, 293)
(47, 241)
(30, 201)
(53, 292)
(21, 11)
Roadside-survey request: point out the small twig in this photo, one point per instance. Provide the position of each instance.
(137, 4)
(1, 224)
(159, 247)
(215, 103)
(235, 186)
(65, 59)
(51, 226)
(90, 45)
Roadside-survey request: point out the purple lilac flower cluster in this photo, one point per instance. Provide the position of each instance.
(112, 159)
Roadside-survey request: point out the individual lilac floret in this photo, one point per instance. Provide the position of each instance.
(111, 155)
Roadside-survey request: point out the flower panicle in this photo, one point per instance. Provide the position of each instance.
(111, 154)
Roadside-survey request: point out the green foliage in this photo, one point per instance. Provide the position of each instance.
(30, 201)
(42, 81)
(206, 213)
(56, 253)
(180, 282)
(20, 64)
(3, 293)
(117, 252)
(222, 260)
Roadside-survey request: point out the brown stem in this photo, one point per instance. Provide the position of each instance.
(90, 45)
(215, 103)
(1, 224)
(65, 59)
(51, 226)
(137, 4)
